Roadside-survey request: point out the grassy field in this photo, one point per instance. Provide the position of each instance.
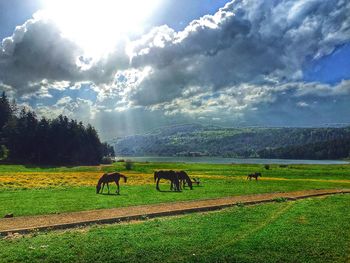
(41, 190)
(312, 230)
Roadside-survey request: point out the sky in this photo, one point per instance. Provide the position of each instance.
(128, 67)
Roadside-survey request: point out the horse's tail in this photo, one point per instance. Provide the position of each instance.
(155, 176)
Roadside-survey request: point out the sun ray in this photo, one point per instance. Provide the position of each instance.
(97, 25)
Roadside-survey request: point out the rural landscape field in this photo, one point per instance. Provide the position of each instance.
(175, 131)
(312, 230)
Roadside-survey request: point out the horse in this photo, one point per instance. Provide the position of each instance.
(108, 178)
(184, 179)
(167, 175)
(255, 175)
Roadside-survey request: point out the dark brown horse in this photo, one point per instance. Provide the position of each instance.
(172, 176)
(254, 175)
(109, 178)
(184, 179)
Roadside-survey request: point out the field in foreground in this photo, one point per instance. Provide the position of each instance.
(312, 230)
(42, 190)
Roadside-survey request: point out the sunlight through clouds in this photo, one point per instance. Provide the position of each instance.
(96, 25)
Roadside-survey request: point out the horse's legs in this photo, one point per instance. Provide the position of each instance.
(103, 185)
(118, 190)
(117, 184)
(177, 183)
(108, 187)
(174, 185)
(157, 185)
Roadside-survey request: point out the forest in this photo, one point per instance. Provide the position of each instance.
(333, 149)
(27, 139)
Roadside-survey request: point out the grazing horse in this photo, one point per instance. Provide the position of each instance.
(255, 175)
(184, 179)
(108, 178)
(168, 175)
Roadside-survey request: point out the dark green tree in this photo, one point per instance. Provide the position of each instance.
(5, 110)
(42, 141)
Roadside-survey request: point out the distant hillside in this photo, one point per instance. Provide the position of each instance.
(196, 140)
(333, 149)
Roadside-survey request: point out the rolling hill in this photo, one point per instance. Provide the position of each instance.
(199, 140)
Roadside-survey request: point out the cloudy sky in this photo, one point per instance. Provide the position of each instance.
(131, 66)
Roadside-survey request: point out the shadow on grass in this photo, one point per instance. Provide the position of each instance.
(168, 191)
(112, 194)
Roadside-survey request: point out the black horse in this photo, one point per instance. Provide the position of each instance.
(172, 176)
(254, 175)
(184, 179)
(108, 178)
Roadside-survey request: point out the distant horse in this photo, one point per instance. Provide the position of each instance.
(184, 179)
(108, 178)
(172, 176)
(255, 175)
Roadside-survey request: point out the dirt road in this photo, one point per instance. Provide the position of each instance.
(69, 220)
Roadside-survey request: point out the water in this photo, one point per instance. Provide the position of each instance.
(221, 160)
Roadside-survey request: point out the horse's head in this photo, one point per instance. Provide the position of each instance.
(98, 188)
(187, 178)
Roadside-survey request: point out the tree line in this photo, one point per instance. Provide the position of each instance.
(25, 138)
(333, 149)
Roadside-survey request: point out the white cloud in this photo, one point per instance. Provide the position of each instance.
(243, 63)
(302, 104)
(256, 42)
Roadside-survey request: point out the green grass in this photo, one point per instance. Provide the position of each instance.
(57, 200)
(290, 172)
(312, 230)
(340, 172)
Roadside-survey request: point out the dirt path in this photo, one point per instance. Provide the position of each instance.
(69, 220)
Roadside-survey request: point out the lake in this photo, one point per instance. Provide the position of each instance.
(221, 160)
